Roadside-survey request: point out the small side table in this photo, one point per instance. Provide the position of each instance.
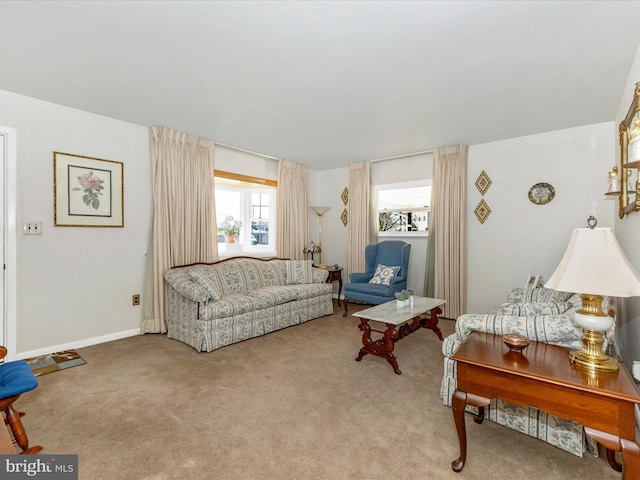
(542, 375)
(335, 274)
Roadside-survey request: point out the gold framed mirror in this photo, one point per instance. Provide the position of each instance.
(630, 157)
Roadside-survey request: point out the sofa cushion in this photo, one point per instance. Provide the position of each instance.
(383, 274)
(542, 308)
(275, 295)
(228, 306)
(299, 271)
(310, 290)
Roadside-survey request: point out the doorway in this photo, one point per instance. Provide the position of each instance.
(8, 166)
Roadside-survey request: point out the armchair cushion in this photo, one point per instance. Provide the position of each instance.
(16, 378)
(383, 274)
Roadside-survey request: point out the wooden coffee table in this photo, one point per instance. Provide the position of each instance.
(400, 322)
(542, 375)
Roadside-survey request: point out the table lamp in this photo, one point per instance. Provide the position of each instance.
(594, 265)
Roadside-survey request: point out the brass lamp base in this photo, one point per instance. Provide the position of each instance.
(591, 356)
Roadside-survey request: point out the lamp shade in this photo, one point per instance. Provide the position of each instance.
(594, 263)
(319, 210)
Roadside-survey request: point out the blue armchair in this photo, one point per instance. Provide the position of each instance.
(392, 253)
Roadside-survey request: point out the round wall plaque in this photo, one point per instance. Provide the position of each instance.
(541, 193)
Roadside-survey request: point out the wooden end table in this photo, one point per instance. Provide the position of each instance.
(335, 275)
(400, 322)
(542, 375)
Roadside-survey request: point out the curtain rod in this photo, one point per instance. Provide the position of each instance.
(242, 150)
(268, 157)
(404, 155)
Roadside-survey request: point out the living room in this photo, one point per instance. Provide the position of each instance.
(53, 294)
(72, 286)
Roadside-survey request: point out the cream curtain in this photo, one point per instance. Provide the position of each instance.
(447, 247)
(184, 229)
(362, 225)
(292, 210)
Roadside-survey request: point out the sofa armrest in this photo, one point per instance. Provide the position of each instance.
(320, 275)
(555, 329)
(396, 280)
(178, 279)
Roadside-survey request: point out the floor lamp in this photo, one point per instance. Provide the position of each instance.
(319, 211)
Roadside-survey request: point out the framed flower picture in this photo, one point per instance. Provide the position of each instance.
(87, 191)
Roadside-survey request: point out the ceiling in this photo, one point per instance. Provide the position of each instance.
(327, 83)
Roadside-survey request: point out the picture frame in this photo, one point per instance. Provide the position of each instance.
(532, 281)
(87, 191)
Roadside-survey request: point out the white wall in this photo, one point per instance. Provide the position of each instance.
(244, 164)
(520, 237)
(627, 231)
(326, 190)
(74, 284)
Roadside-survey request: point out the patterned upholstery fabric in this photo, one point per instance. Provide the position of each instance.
(527, 308)
(299, 271)
(214, 305)
(557, 329)
(539, 294)
(384, 274)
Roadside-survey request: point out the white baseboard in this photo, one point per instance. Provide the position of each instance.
(78, 344)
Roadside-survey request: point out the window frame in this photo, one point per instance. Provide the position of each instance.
(247, 186)
(399, 186)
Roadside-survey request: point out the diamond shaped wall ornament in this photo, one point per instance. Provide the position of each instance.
(345, 195)
(483, 182)
(344, 217)
(482, 211)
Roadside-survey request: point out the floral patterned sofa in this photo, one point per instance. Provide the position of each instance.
(542, 315)
(217, 304)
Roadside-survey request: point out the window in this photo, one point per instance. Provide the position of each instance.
(250, 204)
(403, 207)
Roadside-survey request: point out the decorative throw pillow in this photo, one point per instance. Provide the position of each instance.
(541, 308)
(384, 274)
(299, 271)
(208, 282)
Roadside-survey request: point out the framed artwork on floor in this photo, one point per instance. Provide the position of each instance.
(532, 281)
(87, 191)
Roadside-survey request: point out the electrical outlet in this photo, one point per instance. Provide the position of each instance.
(135, 300)
(32, 228)
(636, 370)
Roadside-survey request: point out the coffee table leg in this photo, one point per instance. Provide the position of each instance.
(432, 322)
(381, 348)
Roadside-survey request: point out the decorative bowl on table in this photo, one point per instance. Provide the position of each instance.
(515, 342)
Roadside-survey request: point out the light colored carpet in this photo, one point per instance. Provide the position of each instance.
(291, 405)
